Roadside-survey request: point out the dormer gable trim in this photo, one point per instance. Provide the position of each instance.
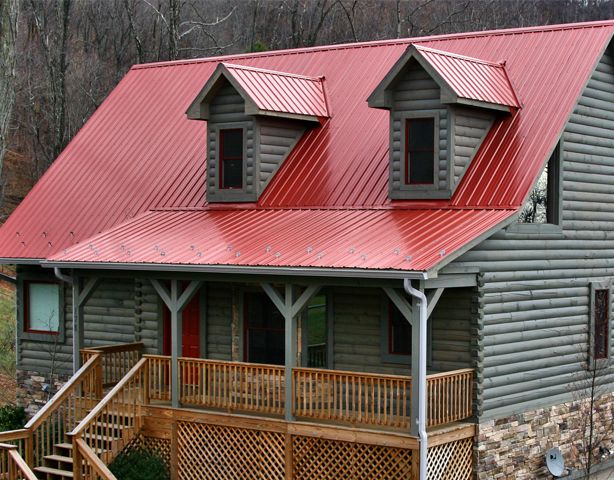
(462, 80)
(267, 93)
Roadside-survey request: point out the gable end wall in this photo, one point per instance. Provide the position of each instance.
(536, 287)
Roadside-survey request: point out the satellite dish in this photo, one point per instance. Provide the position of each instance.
(554, 462)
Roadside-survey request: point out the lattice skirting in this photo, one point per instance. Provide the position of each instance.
(160, 446)
(451, 461)
(316, 458)
(215, 452)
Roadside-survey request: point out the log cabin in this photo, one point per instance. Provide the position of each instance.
(389, 260)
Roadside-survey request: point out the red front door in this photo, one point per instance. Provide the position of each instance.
(190, 339)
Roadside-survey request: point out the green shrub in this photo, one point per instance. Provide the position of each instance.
(12, 417)
(139, 465)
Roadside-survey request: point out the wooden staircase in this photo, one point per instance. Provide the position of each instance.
(109, 440)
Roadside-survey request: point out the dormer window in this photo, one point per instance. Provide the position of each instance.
(231, 158)
(442, 106)
(251, 130)
(420, 151)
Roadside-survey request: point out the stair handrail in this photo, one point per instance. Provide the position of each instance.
(55, 402)
(133, 385)
(15, 464)
(83, 451)
(88, 377)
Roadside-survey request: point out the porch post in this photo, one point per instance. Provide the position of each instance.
(79, 297)
(175, 302)
(415, 368)
(290, 310)
(291, 339)
(176, 343)
(77, 324)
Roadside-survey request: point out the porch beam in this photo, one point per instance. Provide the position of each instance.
(404, 306)
(175, 301)
(432, 298)
(416, 374)
(455, 280)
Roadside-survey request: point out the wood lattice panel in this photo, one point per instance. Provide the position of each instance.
(226, 453)
(159, 446)
(451, 461)
(319, 459)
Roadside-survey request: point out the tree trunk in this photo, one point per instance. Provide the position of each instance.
(9, 10)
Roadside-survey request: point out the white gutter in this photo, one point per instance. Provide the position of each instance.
(418, 295)
(75, 346)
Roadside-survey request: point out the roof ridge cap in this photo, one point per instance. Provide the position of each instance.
(273, 72)
(377, 43)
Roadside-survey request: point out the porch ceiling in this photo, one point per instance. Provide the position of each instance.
(401, 240)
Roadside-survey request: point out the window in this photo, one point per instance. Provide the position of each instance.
(231, 158)
(601, 314)
(542, 205)
(316, 332)
(264, 327)
(42, 307)
(420, 151)
(399, 332)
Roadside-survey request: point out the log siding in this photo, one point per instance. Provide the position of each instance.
(536, 287)
(417, 92)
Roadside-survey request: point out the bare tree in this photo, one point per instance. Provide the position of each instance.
(9, 12)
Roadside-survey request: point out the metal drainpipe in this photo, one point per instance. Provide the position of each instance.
(65, 278)
(417, 294)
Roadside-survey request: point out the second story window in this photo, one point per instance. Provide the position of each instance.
(420, 151)
(231, 158)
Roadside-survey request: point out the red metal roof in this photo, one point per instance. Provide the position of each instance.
(274, 91)
(471, 78)
(139, 152)
(367, 239)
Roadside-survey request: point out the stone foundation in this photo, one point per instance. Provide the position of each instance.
(514, 448)
(30, 393)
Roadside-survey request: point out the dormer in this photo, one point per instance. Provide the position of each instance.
(254, 118)
(442, 106)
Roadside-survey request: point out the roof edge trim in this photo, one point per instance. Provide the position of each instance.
(247, 270)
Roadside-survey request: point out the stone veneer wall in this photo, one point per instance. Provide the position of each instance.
(514, 447)
(30, 394)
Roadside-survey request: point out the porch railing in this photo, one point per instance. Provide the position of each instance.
(235, 386)
(117, 360)
(12, 464)
(329, 395)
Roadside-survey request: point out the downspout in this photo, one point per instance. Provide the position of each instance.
(68, 279)
(417, 294)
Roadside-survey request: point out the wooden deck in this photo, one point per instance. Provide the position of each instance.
(234, 424)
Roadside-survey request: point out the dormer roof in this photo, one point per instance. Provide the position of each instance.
(462, 79)
(266, 92)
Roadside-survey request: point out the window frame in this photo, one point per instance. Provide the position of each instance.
(304, 360)
(404, 153)
(554, 205)
(25, 332)
(594, 362)
(221, 159)
(385, 329)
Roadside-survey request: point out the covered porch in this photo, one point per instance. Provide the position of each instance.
(366, 408)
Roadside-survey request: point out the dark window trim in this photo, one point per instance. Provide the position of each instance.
(593, 361)
(554, 206)
(396, 358)
(23, 280)
(423, 190)
(406, 159)
(222, 158)
(245, 327)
